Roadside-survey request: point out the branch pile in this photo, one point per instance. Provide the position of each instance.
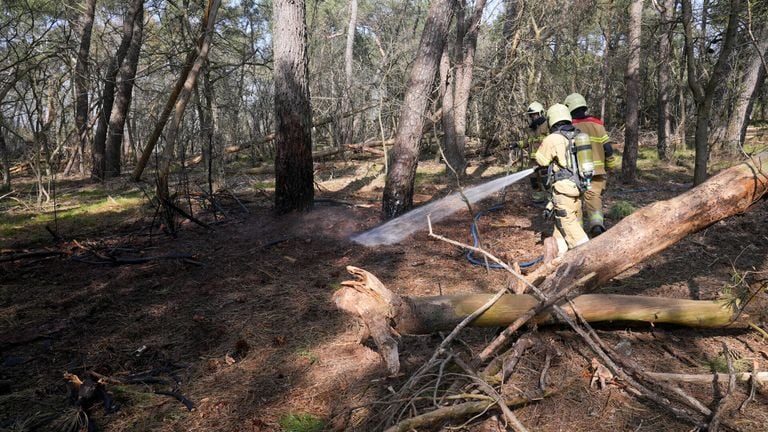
(455, 384)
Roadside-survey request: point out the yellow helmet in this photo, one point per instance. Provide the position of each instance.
(535, 108)
(557, 113)
(575, 100)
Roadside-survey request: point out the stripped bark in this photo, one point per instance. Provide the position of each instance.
(386, 313)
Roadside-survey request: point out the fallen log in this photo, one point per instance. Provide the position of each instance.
(368, 147)
(424, 315)
(654, 228)
(761, 377)
(385, 313)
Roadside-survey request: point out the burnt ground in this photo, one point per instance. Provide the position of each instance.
(246, 330)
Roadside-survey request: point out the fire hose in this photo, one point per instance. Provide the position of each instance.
(471, 255)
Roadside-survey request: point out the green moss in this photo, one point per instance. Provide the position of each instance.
(301, 423)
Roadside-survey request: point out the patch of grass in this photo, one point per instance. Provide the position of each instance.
(127, 395)
(423, 178)
(89, 193)
(621, 209)
(755, 147)
(647, 153)
(102, 213)
(301, 423)
(720, 364)
(263, 184)
(309, 355)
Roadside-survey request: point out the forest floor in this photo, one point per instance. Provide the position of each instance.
(239, 320)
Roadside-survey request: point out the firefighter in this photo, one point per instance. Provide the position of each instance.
(537, 130)
(604, 161)
(555, 154)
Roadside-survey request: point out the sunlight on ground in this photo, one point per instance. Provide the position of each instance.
(91, 214)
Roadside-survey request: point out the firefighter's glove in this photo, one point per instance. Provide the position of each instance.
(549, 210)
(612, 161)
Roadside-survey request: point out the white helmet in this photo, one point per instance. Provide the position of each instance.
(557, 113)
(535, 108)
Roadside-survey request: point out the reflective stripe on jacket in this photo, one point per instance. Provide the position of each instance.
(597, 136)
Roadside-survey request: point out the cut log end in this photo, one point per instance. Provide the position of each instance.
(370, 301)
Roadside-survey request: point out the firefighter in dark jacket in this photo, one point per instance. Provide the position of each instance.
(537, 130)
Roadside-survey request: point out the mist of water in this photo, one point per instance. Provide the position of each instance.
(399, 228)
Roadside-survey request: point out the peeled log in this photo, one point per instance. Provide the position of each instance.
(656, 227)
(386, 314)
(431, 314)
(424, 315)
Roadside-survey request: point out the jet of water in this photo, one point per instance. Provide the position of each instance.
(399, 228)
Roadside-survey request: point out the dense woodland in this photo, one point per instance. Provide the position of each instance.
(181, 180)
(103, 88)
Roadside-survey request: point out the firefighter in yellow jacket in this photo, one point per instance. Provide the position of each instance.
(555, 154)
(537, 130)
(604, 160)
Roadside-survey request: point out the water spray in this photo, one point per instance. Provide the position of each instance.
(415, 220)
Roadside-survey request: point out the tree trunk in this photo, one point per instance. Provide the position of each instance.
(632, 78)
(463, 80)
(108, 94)
(448, 81)
(169, 105)
(398, 190)
(123, 99)
(607, 52)
(294, 181)
(634, 239)
(510, 20)
(164, 169)
(664, 122)
(753, 76)
(81, 79)
(451, 61)
(212, 154)
(658, 226)
(5, 161)
(704, 96)
(347, 132)
(206, 128)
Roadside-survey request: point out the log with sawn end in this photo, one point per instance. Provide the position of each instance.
(385, 313)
